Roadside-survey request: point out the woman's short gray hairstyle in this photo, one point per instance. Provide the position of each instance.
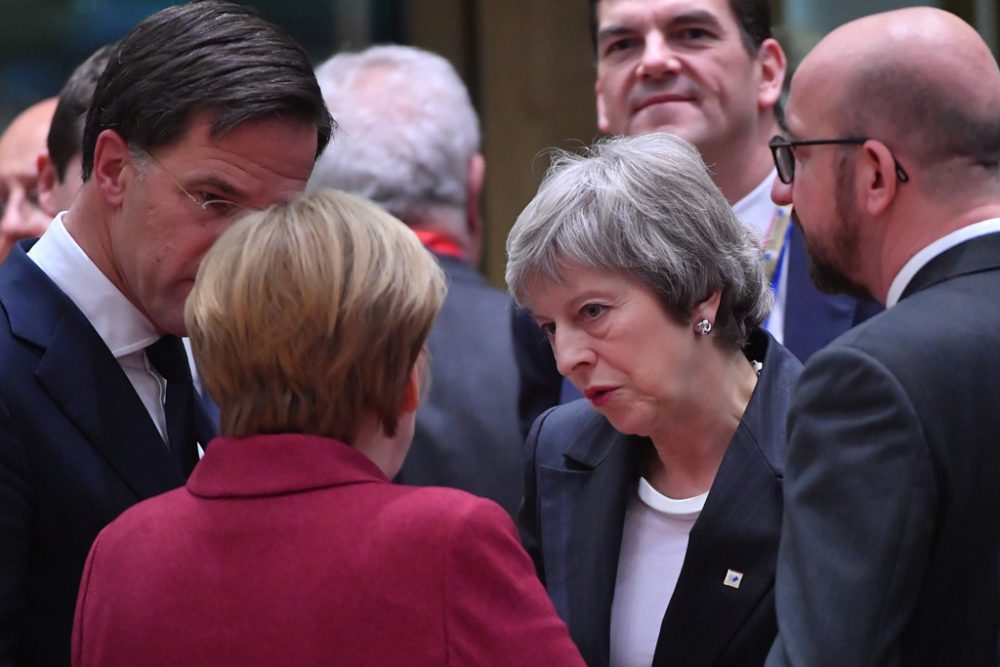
(646, 207)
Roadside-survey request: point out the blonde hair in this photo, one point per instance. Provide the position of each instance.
(311, 314)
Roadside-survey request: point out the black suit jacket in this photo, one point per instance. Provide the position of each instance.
(580, 475)
(467, 434)
(891, 535)
(77, 447)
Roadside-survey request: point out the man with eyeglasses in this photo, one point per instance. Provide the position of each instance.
(890, 541)
(204, 110)
(710, 72)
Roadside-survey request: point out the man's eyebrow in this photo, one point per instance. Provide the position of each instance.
(693, 16)
(614, 31)
(700, 16)
(216, 183)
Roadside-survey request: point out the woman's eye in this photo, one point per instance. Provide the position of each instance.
(549, 329)
(592, 310)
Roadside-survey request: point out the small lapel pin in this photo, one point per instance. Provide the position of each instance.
(733, 579)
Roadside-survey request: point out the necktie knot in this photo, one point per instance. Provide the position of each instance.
(168, 358)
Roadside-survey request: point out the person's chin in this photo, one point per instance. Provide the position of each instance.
(672, 118)
(830, 280)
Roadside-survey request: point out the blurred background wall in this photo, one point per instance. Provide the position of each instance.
(529, 64)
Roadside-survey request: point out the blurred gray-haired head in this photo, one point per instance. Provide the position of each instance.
(646, 207)
(407, 132)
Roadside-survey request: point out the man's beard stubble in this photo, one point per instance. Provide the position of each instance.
(824, 271)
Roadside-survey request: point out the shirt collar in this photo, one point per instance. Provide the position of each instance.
(119, 323)
(946, 242)
(756, 210)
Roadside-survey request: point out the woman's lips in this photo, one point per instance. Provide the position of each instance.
(598, 396)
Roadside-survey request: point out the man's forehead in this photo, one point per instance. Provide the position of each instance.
(25, 137)
(625, 11)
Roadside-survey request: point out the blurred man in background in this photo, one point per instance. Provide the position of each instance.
(59, 166)
(409, 140)
(20, 145)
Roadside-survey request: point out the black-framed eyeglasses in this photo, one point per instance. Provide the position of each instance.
(218, 208)
(783, 151)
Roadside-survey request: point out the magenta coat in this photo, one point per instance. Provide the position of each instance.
(296, 550)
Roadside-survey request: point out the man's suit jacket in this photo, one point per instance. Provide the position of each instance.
(812, 320)
(77, 447)
(467, 434)
(296, 550)
(580, 476)
(892, 523)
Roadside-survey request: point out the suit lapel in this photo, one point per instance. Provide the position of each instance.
(85, 381)
(737, 530)
(583, 512)
(978, 254)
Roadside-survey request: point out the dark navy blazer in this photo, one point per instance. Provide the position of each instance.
(77, 447)
(892, 524)
(580, 474)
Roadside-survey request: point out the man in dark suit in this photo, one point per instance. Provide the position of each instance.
(891, 532)
(710, 72)
(410, 143)
(205, 110)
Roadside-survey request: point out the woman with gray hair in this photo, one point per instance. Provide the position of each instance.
(653, 507)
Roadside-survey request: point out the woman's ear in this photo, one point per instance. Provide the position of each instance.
(411, 392)
(708, 308)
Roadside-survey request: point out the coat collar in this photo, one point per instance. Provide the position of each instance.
(973, 256)
(276, 464)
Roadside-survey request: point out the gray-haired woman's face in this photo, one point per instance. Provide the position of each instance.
(615, 342)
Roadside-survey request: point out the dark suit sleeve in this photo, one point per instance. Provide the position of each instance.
(859, 504)
(15, 518)
(527, 516)
(498, 612)
(540, 381)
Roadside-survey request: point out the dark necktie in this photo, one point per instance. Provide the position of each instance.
(168, 358)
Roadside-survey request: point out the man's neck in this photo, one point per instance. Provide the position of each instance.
(739, 176)
(914, 233)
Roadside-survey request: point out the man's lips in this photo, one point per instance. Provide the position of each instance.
(598, 396)
(660, 99)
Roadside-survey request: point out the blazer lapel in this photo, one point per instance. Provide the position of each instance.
(738, 529)
(85, 381)
(978, 254)
(583, 512)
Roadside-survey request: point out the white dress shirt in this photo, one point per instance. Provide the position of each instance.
(922, 258)
(121, 326)
(757, 211)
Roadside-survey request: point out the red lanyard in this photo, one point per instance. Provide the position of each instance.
(440, 244)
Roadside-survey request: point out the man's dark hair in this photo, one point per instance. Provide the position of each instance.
(752, 16)
(66, 132)
(197, 56)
